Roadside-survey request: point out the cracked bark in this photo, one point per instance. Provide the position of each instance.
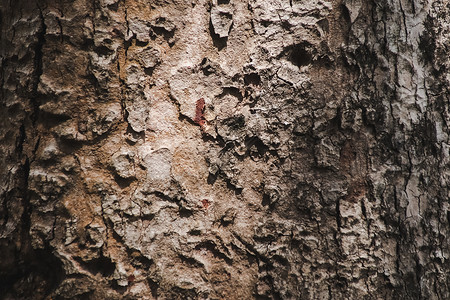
(224, 149)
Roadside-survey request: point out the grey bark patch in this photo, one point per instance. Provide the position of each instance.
(158, 165)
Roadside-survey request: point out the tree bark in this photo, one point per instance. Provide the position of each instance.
(224, 149)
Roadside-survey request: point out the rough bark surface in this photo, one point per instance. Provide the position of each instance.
(224, 149)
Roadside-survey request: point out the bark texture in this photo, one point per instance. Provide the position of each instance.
(224, 149)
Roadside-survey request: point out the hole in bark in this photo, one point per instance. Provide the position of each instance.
(68, 146)
(185, 213)
(282, 260)
(265, 200)
(299, 55)
(139, 260)
(195, 232)
(123, 182)
(234, 123)
(341, 282)
(306, 248)
(148, 71)
(223, 2)
(286, 25)
(229, 90)
(212, 178)
(159, 31)
(255, 142)
(141, 43)
(103, 51)
(166, 34)
(265, 23)
(114, 6)
(225, 223)
(252, 79)
(102, 265)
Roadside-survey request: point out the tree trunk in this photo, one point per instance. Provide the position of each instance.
(224, 149)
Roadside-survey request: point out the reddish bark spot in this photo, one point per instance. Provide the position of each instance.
(131, 278)
(199, 113)
(205, 203)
